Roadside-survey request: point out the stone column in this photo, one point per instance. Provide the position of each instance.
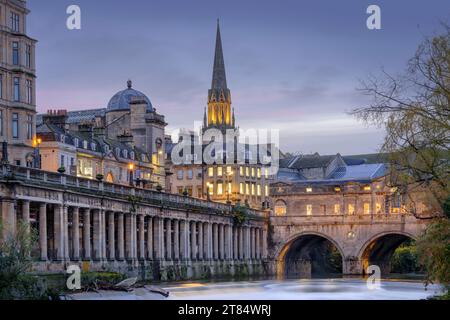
(200, 241)
(8, 218)
(158, 237)
(207, 240)
(111, 236)
(150, 238)
(168, 239)
(241, 243)
(87, 234)
(215, 233)
(128, 236)
(221, 242)
(103, 230)
(43, 231)
(184, 240)
(176, 239)
(235, 244)
(120, 236)
(26, 215)
(133, 236)
(58, 217)
(97, 235)
(253, 243)
(228, 242)
(66, 232)
(247, 243)
(142, 237)
(76, 233)
(193, 240)
(258, 243)
(264, 244)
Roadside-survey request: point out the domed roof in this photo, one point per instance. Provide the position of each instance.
(121, 100)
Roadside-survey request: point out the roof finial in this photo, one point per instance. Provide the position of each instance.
(129, 84)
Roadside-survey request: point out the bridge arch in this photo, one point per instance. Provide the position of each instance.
(379, 249)
(300, 248)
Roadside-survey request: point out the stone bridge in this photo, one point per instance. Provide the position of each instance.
(360, 239)
(102, 226)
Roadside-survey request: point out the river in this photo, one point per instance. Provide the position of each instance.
(305, 289)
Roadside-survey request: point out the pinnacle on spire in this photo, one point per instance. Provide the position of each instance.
(219, 80)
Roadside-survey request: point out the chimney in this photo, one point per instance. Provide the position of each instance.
(57, 118)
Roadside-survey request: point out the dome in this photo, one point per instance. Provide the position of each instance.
(121, 100)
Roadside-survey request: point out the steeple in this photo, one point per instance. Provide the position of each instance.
(219, 79)
(219, 97)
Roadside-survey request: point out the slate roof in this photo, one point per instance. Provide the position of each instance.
(74, 117)
(121, 100)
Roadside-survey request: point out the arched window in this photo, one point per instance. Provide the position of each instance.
(280, 208)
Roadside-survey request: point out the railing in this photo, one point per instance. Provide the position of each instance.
(94, 187)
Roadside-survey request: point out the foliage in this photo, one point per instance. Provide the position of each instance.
(433, 249)
(240, 214)
(95, 279)
(414, 108)
(15, 264)
(405, 259)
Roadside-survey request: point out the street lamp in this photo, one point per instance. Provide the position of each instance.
(131, 167)
(36, 143)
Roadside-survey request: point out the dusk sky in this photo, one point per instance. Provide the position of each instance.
(291, 65)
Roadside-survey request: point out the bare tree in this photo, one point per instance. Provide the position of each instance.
(414, 108)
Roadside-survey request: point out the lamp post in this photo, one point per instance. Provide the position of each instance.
(131, 168)
(36, 143)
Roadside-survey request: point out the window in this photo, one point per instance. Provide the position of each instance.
(247, 171)
(266, 173)
(366, 208)
(280, 208)
(199, 192)
(17, 89)
(351, 209)
(211, 172)
(118, 152)
(132, 155)
(190, 174)
(106, 149)
(259, 173)
(308, 190)
(219, 171)
(253, 189)
(258, 190)
(1, 122)
(1, 86)
(241, 188)
(219, 189)
(180, 174)
(62, 161)
(15, 125)
(253, 172)
(337, 209)
(229, 188)
(337, 189)
(247, 188)
(378, 207)
(366, 188)
(15, 53)
(29, 127)
(28, 56)
(229, 170)
(180, 190)
(266, 190)
(85, 144)
(15, 22)
(309, 209)
(76, 142)
(241, 171)
(125, 153)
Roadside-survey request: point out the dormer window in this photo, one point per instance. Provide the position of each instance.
(77, 142)
(125, 153)
(132, 155)
(85, 144)
(93, 146)
(118, 152)
(106, 148)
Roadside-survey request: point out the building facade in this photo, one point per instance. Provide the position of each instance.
(121, 144)
(17, 83)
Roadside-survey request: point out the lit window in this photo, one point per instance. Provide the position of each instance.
(337, 189)
(259, 173)
(210, 187)
(351, 209)
(366, 188)
(366, 208)
(241, 188)
(280, 208)
(266, 190)
(258, 190)
(219, 189)
(309, 209)
(253, 172)
(266, 173)
(229, 171)
(211, 172)
(247, 171)
(219, 171)
(241, 171)
(337, 209)
(253, 189)
(247, 188)
(308, 189)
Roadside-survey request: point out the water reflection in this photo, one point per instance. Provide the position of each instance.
(305, 289)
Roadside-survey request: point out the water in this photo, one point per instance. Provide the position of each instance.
(307, 289)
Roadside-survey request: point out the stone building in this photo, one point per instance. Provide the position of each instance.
(235, 174)
(122, 141)
(17, 83)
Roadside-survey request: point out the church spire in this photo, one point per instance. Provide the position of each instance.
(219, 79)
